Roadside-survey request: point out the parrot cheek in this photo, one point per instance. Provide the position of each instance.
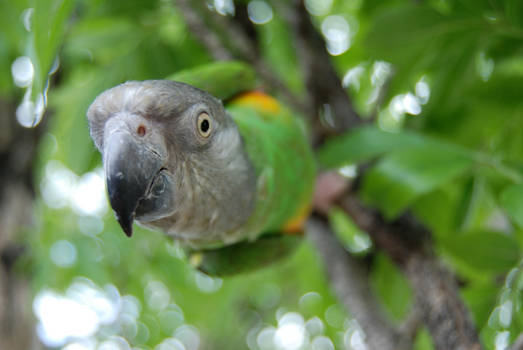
(159, 200)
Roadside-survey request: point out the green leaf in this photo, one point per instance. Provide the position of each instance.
(484, 251)
(363, 144)
(48, 28)
(512, 201)
(401, 177)
(353, 239)
(391, 286)
(221, 79)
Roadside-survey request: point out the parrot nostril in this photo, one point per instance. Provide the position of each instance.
(141, 130)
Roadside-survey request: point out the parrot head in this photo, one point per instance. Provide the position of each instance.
(173, 159)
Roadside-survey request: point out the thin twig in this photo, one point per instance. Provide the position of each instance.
(239, 46)
(199, 29)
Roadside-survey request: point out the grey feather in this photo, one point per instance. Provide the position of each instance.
(212, 179)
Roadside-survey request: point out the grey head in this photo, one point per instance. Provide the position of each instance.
(173, 159)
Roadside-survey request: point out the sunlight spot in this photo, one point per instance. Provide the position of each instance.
(309, 300)
(352, 77)
(27, 18)
(90, 225)
(505, 313)
(88, 197)
(131, 306)
(105, 302)
(422, 90)
(502, 340)
(157, 295)
(84, 344)
(63, 253)
(265, 338)
(336, 31)
(326, 116)
(322, 343)
(170, 344)
(224, 7)
(206, 283)
(354, 337)
(57, 184)
(348, 171)
(61, 318)
(314, 326)
(259, 12)
(397, 107)
(484, 66)
(334, 316)
(381, 71)
(411, 104)
(23, 71)
(115, 343)
(25, 113)
(290, 336)
(318, 7)
(189, 337)
(170, 318)
(290, 333)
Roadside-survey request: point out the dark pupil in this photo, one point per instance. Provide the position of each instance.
(204, 126)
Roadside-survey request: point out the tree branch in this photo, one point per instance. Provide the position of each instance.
(435, 289)
(324, 87)
(349, 280)
(242, 47)
(199, 29)
(518, 344)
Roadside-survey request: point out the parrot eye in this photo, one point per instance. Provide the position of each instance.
(204, 125)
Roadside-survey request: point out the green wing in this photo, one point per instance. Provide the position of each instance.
(223, 80)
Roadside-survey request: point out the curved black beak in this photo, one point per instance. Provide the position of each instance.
(130, 167)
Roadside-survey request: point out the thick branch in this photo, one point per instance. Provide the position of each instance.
(435, 289)
(349, 280)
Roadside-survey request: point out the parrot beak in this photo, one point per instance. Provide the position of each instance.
(130, 168)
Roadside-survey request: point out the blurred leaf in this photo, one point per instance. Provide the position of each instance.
(352, 238)
(512, 201)
(364, 144)
(480, 299)
(392, 287)
(48, 27)
(484, 251)
(222, 73)
(401, 177)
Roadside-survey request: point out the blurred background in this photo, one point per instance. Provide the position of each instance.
(441, 81)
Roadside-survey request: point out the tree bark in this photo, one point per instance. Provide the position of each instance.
(17, 155)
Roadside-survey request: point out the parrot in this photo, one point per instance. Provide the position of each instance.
(203, 156)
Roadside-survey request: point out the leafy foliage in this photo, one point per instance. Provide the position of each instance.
(439, 83)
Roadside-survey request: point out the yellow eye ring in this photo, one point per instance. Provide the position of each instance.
(204, 124)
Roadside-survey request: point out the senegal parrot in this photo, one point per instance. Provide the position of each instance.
(226, 171)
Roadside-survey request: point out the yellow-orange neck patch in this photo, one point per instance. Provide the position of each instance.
(259, 100)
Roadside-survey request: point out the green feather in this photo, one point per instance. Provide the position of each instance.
(276, 142)
(244, 256)
(283, 160)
